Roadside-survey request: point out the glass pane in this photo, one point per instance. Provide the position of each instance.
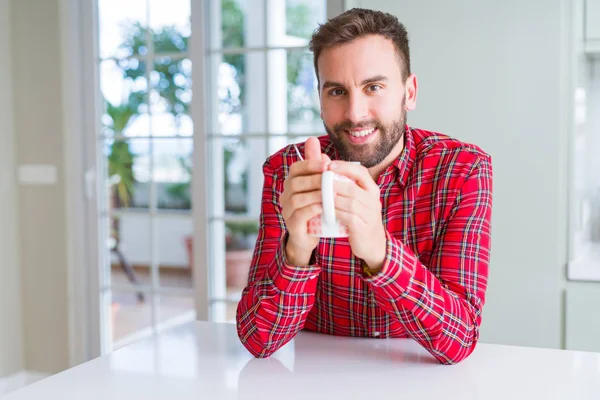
(240, 238)
(127, 172)
(232, 245)
(236, 191)
(293, 98)
(237, 28)
(124, 86)
(303, 106)
(585, 217)
(122, 29)
(175, 310)
(170, 24)
(175, 232)
(237, 104)
(130, 249)
(171, 96)
(174, 223)
(236, 179)
(128, 316)
(239, 93)
(129, 222)
(171, 172)
(291, 23)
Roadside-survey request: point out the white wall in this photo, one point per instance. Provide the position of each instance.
(38, 123)
(11, 357)
(490, 73)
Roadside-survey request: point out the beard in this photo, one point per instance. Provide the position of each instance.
(369, 155)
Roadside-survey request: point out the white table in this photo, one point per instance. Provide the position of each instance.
(206, 361)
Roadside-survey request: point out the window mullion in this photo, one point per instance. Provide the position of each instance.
(152, 202)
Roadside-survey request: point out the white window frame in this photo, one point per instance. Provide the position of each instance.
(581, 63)
(262, 125)
(78, 35)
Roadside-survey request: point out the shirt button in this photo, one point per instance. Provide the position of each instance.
(312, 277)
(375, 334)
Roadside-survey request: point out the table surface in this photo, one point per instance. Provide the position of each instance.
(203, 360)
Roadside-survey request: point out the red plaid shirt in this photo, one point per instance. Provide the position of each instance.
(436, 207)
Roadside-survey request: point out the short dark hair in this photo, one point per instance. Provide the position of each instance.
(359, 22)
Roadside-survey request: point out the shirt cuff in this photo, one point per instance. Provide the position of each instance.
(394, 277)
(292, 279)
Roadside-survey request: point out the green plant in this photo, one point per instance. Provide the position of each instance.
(120, 159)
(171, 82)
(243, 228)
(120, 166)
(239, 234)
(170, 79)
(180, 191)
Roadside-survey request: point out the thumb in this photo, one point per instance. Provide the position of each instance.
(312, 149)
(325, 158)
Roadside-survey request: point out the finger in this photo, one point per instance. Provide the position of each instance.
(312, 149)
(352, 206)
(308, 167)
(306, 183)
(356, 172)
(300, 217)
(351, 190)
(348, 189)
(301, 200)
(325, 158)
(352, 221)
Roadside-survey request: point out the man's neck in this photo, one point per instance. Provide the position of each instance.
(376, 170)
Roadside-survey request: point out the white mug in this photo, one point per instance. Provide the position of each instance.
(326, 224)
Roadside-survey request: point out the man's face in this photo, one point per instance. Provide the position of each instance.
(364, 98)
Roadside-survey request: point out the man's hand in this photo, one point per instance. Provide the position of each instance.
(301, 201)
(358, 206)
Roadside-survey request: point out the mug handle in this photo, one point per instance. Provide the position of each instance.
(327, 179)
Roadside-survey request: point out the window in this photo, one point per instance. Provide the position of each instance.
(145, 146)
(259, 95)
(585, 201)
(262, 96)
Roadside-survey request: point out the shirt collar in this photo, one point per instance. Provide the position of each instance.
(402, 165)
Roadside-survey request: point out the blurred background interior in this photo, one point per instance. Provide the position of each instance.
(133, 132)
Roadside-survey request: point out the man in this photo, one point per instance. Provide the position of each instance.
(415, 263)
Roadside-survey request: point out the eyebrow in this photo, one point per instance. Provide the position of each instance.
(376, 78)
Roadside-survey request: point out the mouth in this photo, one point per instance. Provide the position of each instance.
(361, 136)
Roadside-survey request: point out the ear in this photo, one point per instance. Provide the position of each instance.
(410, 92)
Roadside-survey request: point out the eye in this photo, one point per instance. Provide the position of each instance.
(373, 88)
(336, 92)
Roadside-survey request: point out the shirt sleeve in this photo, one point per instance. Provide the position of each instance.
(439, 305)
(278, 296)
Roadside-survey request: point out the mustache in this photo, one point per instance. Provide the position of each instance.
(347, 125)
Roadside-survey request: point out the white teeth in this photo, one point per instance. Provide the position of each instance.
(362, 133)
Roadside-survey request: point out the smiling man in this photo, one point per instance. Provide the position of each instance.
(418, 209)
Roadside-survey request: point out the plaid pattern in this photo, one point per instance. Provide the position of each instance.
(436, 206)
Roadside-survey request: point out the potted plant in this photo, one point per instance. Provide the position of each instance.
(240, 238)
(239, 247)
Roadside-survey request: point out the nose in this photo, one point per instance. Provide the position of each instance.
(357, 109)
